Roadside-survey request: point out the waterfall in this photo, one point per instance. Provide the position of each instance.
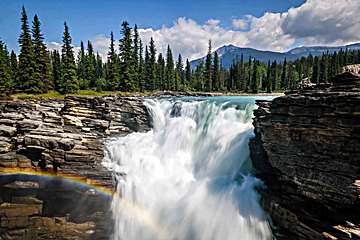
(189, 178)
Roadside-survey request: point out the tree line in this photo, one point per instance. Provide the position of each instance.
(131, 66)
(254, 76)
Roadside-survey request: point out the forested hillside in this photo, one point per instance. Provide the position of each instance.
(134, 66)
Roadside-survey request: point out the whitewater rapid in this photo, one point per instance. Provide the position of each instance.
(189, 178)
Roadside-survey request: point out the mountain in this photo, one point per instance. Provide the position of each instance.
(230, 53)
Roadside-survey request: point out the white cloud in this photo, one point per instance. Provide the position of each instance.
(316, 22)
(330, 22)
(241, 24)
(213, 22)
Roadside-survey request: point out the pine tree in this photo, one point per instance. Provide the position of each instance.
(42, 59)
(249, 80)
(126, 59)
(316, 70)
(152, 65)
(26, 74)
(180, 71)
(136, 55)
(161, 72)
(141, 68)
(147, 70)
(81, 68)
(69, 83)
(208, 70)
(5, 78)
(169, 70)
(56, 69)
(188, 73)
(255, 78)
(241, 84)
(284, 76)
(90, 66)
(113, 77)
(274, 76)
(323, 74)
(268, 78)
(216, 72)
(13, 68)
(99, 74)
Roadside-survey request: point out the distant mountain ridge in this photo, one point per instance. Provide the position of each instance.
(230, 53)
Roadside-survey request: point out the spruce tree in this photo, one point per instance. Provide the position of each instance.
(169, 70)
(180, 71)
(208, 69)
(56, 70)
(147, 70)
(160, 73)
(268, 78)
(81, 67)
(241, 84)
(323, 74)
(13, 68)
(100, 83)
(69, 83)
(26, 74)
(90, 65)
(5, 78)
(42, 59)
(274, 76)
(188, 73)
(315, 78)
(216, 72)
(249, 73)
(255, 78)
(126, 59)
(113, 71)
(136, 43)
(141, 68)
(152, 66)
(284, 76)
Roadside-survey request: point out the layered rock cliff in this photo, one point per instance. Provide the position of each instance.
(307, 152)
(64, 137)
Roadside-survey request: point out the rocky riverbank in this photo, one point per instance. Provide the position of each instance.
(64, 137)
(307, 152)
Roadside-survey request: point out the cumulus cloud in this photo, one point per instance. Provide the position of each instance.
(241, 24)
(329, 22)
(316, 22)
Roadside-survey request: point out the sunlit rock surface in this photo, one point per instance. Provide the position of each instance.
(64, 137)
(307, 151)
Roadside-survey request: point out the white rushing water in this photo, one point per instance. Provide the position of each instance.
(190, 177)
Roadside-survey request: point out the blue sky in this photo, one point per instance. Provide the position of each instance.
(90, 18)
(187, 25)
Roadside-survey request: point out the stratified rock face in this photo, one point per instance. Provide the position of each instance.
(307, 152)
(63, 136)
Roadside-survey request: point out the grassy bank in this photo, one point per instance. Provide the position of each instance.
(92, 93)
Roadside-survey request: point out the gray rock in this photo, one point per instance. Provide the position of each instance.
(306, 150)
(7, 131)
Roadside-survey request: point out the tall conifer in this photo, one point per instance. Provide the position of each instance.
(42, 59)
(26, 75)
(69, 83)
(208, 69)
(127, 59)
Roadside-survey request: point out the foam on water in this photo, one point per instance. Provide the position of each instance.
(190, 177)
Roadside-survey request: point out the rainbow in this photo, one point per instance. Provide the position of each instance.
(89, 183)
(141, 214)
